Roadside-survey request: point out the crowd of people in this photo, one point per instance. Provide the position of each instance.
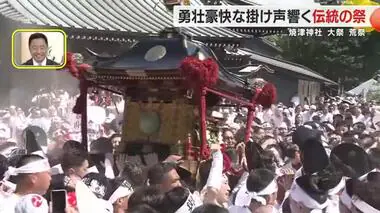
(323, 157)
(52, 112)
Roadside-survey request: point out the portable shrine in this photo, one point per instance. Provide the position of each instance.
(168, 83)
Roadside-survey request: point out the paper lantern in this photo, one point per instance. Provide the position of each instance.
(375, 17)
(375, 20)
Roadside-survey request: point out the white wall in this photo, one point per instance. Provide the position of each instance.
(55, 40)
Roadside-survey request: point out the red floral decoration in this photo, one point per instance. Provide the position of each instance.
(76, 71)
(72, 66)
(212, 74)
(200, 73)
(267, 96)
(72, 199)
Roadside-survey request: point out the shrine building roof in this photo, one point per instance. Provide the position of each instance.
(147, 17)
(287, 65)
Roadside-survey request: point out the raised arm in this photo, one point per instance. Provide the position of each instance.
(215, 177)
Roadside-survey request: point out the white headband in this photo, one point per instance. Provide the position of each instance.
(270, 189)
(8, 151)
(364, 177)
(300, 196)
(345, 197)
(124, 190)
(308, 126)
(363, 206)
(189, 205)
(30, 168)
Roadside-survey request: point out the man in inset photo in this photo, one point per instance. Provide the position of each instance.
(38, 47)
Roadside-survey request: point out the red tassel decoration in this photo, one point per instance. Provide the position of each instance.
(212, 74)
(267, 96)
(200, 73)
(76, 71)
(227, 165)
(72, 66)
(223, 147)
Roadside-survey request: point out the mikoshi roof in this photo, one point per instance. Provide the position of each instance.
(134, 16)
(161, 57)
(296, 68)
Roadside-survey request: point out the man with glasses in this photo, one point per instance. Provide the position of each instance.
(228, 138)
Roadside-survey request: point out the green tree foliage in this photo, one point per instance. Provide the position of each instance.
(349, 60)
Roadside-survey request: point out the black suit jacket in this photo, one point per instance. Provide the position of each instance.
(48, 62)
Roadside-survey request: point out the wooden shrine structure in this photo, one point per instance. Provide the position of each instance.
(166, 82)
